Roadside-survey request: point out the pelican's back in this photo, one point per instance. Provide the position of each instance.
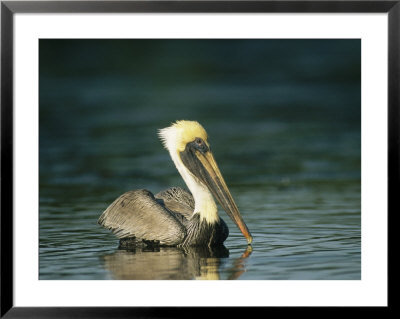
(177, 200)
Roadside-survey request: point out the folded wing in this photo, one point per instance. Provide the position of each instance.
(177, 200)
(139, 214)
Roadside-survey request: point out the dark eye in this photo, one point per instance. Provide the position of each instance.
(200, 145)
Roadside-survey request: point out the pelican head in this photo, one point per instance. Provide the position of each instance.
(187, 143)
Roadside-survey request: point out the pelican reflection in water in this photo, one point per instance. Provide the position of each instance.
(175, 263)
(175, 217)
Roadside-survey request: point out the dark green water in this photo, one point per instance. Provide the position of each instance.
(284, 120)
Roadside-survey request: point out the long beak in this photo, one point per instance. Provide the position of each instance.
(204, 167)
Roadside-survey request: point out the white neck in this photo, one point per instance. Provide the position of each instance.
(204, 201)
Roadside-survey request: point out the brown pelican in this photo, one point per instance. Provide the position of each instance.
(175, 217)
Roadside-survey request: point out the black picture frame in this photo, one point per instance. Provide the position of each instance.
(9, 8)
